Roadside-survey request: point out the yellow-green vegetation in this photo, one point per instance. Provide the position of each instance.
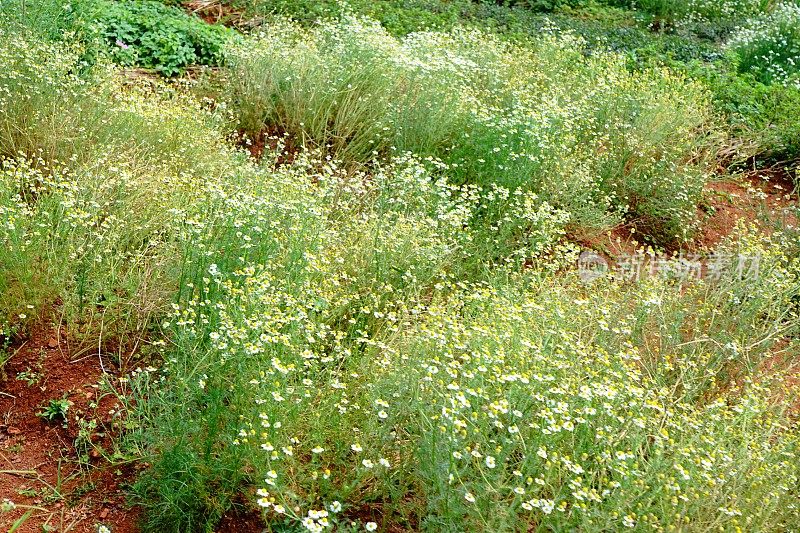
(589, 137)
(379, 324)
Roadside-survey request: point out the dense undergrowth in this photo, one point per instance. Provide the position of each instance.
(378, 324)
(590, 138)
(690, 36)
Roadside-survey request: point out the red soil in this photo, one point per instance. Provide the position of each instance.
(764, 198)
(38, 458)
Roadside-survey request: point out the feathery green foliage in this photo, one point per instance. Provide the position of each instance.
(379, 323)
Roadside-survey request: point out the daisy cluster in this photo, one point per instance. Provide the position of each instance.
(382, 325)
(768, 46)
(583, 133)
(332, 318)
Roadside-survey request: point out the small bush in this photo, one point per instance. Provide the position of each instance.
(762, 118)
(136, 33)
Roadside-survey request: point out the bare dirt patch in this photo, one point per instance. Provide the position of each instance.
(240, 521)
(766, 198)
(273, 141)
(60, 471)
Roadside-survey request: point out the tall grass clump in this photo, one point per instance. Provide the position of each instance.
(586, 135)
(769, 46)
(92, 168)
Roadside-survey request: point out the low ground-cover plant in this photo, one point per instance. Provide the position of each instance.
(152, 35)
(145, 33)
(609, 28)
(55, 410)
(720, 14)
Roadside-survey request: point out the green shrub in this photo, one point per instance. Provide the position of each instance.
(761, 118)
(143, 33)
(151, 35)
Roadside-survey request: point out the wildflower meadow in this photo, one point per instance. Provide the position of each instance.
(328, 268)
